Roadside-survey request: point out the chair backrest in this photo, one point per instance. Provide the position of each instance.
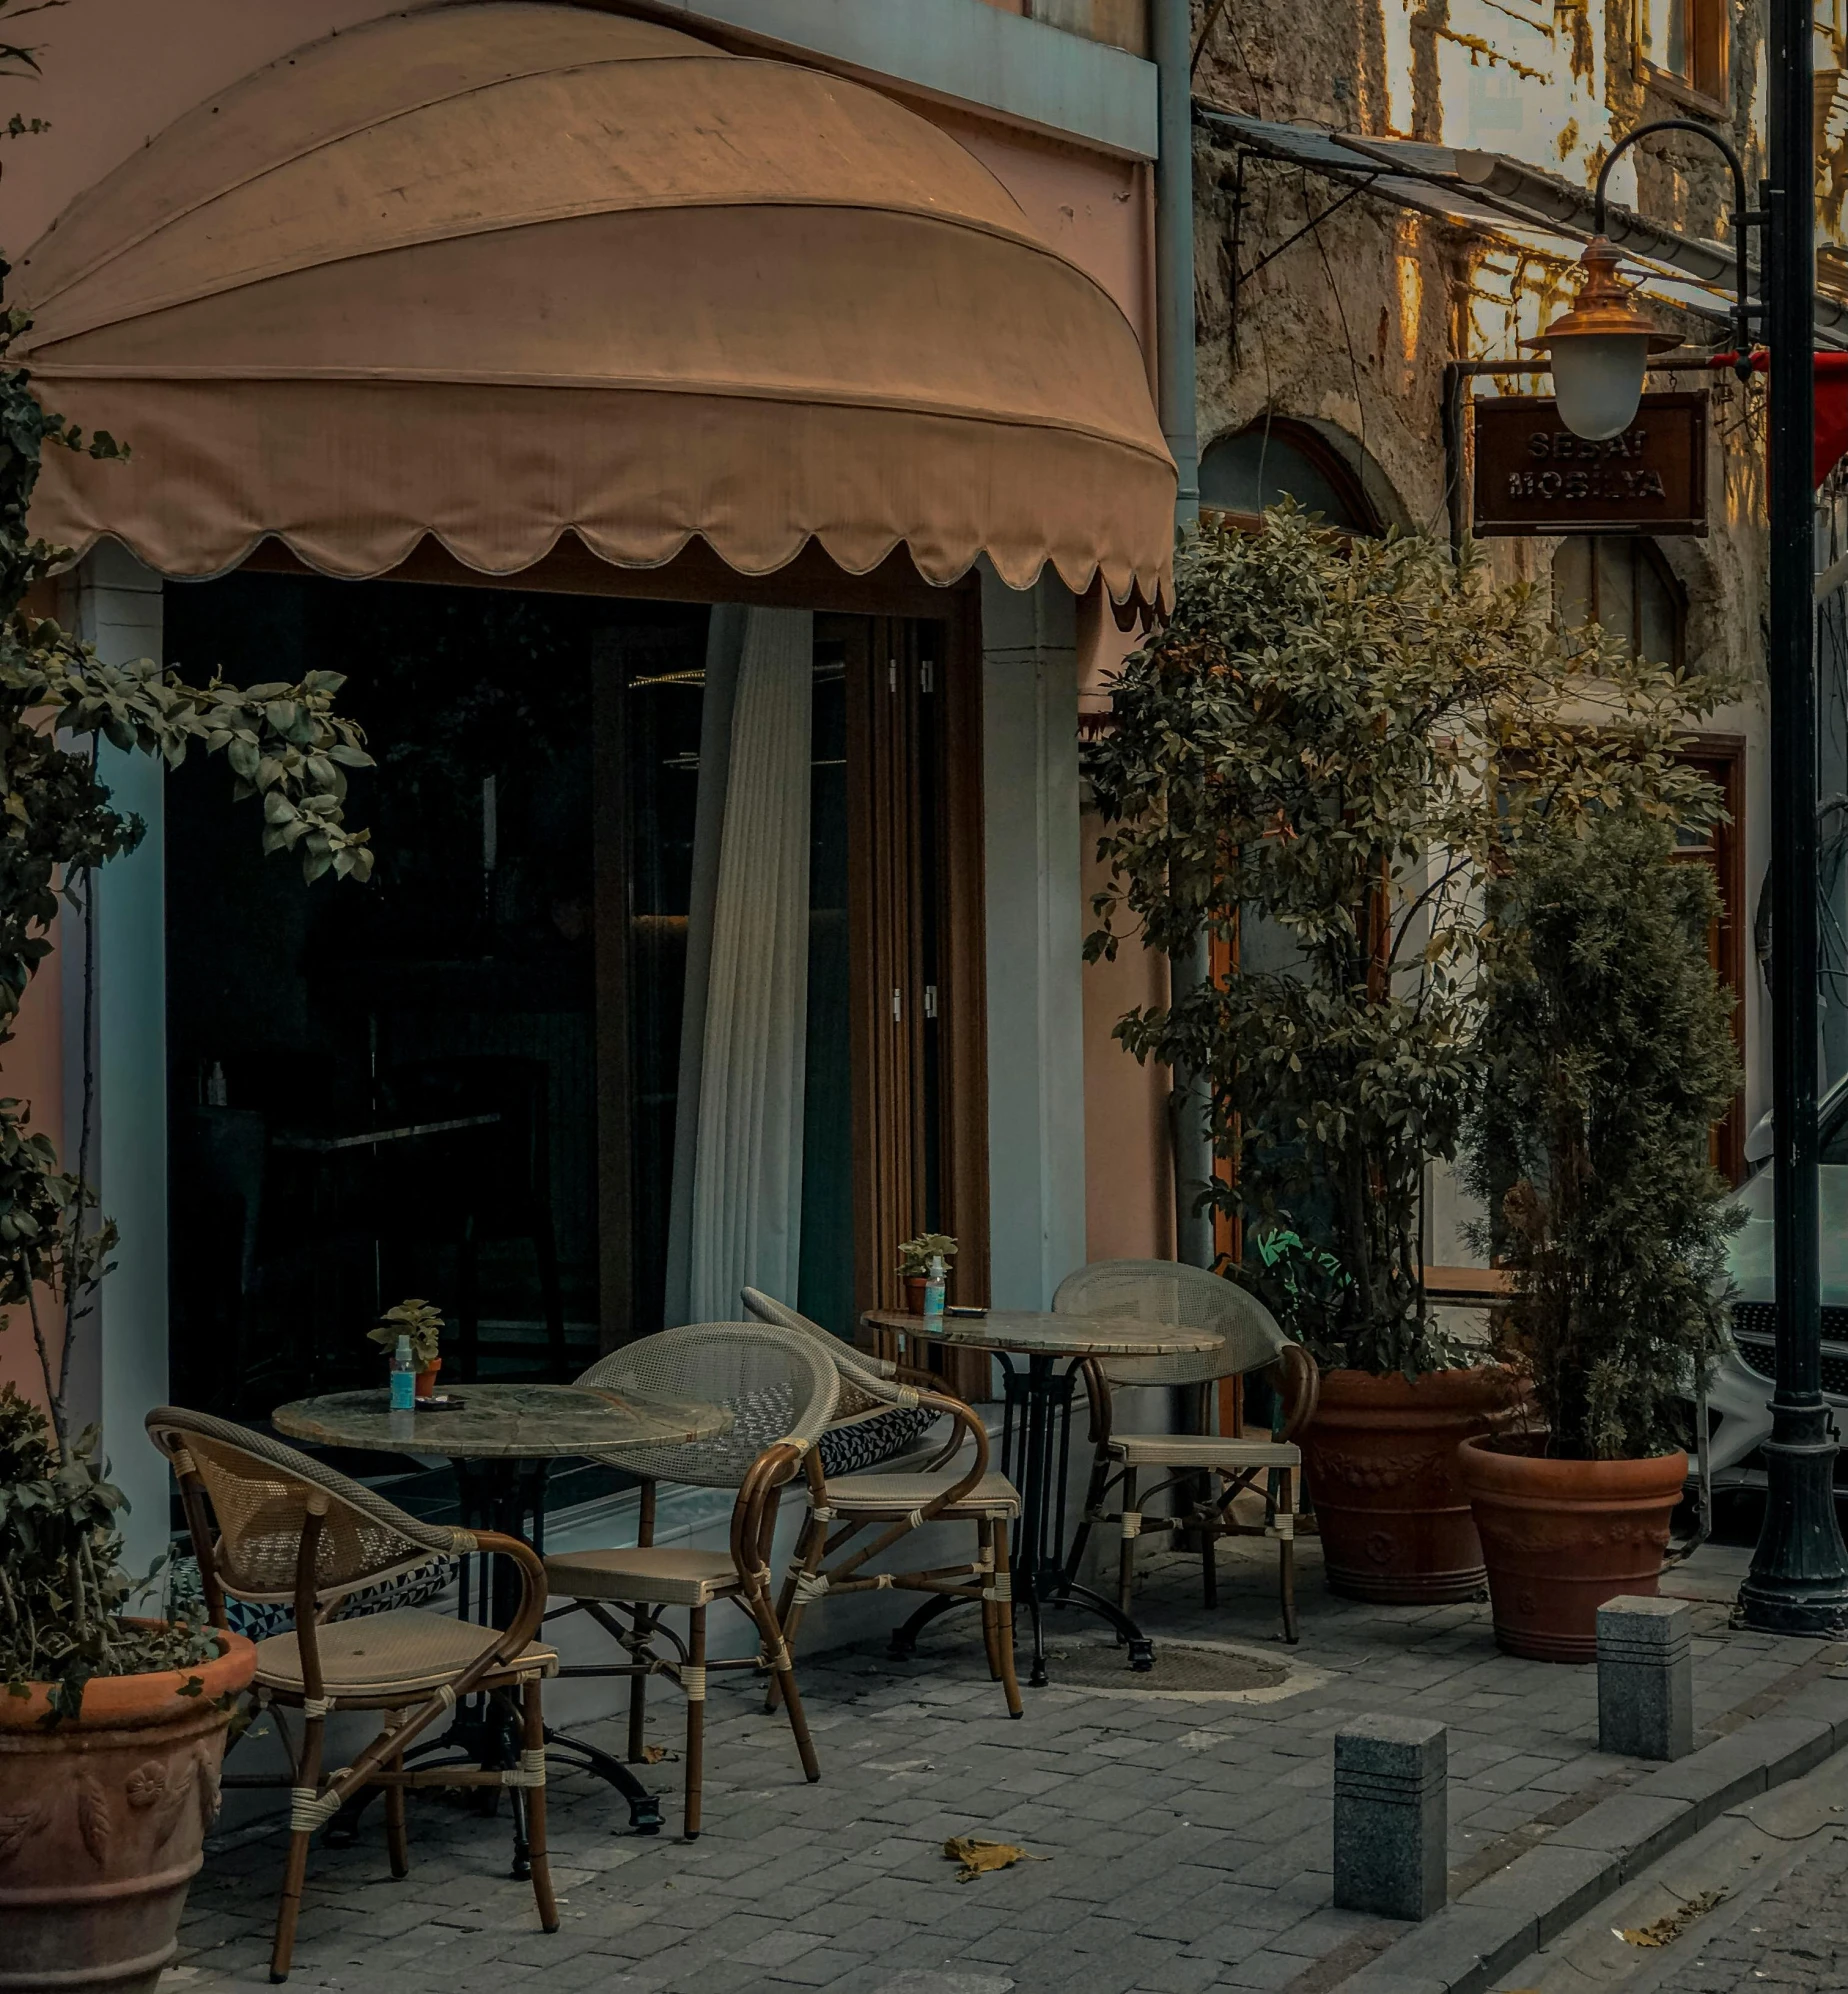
(853, 1402)
(261, 1493)
(776, 1384)
(1168, 1291)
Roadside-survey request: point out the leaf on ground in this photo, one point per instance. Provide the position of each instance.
(1666, 1930)
(655, 1755)
(978, 1858)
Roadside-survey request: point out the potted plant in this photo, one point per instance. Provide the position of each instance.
(1611, 1059)
(1308, 775)
(914, 1258)
(422, 1322)
(112, 1726)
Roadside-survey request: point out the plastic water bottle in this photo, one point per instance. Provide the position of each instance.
(403, 1377)
(933, 1295)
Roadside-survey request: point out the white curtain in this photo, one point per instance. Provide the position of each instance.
(736, 1216)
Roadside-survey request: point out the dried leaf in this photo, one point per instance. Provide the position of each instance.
(1666, 1930)
(655, 1755)
(978, 1858)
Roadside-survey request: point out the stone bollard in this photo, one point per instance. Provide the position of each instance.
(1391, 1817)
(1645, 1678)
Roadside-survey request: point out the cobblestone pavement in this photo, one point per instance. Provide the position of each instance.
(1185, 1841)
(1795, 1937)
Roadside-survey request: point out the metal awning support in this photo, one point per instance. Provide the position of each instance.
(1490, 192)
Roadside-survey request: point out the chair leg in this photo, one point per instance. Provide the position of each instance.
(397, 1838)
(1126, 1553)
(533, 1740)
(1004, 1619)
(295, 1871)
(638, 1696)
(1209, 1559)
(693, 1677)
(1093, 1502)
(991, 1609)
(789, 1611)
(1286, 1558)
(777, 1648)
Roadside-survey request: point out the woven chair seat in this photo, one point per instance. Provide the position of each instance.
(1202, 1450)
(899, 1495)
(391, 1654)
(662, 1575)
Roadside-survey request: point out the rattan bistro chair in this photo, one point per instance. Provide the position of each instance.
(866, 1429)
(288, 1528)
(780, 1391)
(895, 1504)
(1165, 1291)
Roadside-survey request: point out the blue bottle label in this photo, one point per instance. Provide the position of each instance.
(404, 1391)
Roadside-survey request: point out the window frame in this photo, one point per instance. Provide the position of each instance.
(1312, 444)
(1709, 78)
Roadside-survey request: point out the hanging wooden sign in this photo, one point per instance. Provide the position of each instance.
(1534, 476)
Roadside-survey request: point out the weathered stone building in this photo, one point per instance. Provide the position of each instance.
(1336, 282)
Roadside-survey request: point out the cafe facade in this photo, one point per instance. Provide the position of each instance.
(715, 446)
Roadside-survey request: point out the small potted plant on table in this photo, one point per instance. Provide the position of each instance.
(421, 1323)
(914, 1258)
(1308, 777)
(1612, 1058)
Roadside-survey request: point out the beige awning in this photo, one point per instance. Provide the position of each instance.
(500, 272)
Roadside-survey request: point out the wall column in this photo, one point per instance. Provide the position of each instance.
(1035, 939)
(120, 1370)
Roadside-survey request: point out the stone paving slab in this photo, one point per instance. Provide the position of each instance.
(1186, 1843)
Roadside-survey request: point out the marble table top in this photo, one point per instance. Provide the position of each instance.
(1041, 1332)
(501, 1422)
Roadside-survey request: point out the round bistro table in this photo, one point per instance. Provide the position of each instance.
(1041, 1355)
(501, 1440)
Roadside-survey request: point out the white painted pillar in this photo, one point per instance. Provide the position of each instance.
(115, 604)
(1035, 940)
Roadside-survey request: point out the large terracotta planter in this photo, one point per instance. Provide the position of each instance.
(102, 1822)
(1562, 1537)
(1381, 1458)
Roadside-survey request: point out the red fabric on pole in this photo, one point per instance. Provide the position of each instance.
(1831, 404)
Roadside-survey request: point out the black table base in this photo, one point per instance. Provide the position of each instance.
(1036, 1456)
(508, 1497)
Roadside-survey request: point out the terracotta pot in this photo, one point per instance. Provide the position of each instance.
(101, 1823)
(1562, 1537)
(1380, 1455)
(426, 1379)
(914, 1293)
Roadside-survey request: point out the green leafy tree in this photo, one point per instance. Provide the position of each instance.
(1608, 1058)
(1345, 740)
(288, 750)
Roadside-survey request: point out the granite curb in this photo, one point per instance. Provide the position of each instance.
(1499, 1922)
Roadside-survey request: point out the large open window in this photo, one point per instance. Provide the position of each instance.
(669, 975)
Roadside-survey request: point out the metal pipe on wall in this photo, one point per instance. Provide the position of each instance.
(1174, 342)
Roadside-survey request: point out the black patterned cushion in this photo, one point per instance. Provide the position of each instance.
(259, 1619)
(864, 1443)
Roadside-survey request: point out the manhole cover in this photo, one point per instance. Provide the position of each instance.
(1182, 1668)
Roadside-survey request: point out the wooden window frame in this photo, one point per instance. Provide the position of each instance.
(916, 901)
(1644, 553)
(1709, 79)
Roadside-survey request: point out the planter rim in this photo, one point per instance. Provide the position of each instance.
(1470, 1383)
(1487, 1466)
(113, 1703)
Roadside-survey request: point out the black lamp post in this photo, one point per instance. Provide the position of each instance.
(1799, 1576)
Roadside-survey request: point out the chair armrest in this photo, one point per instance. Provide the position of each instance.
(1299, 1383)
